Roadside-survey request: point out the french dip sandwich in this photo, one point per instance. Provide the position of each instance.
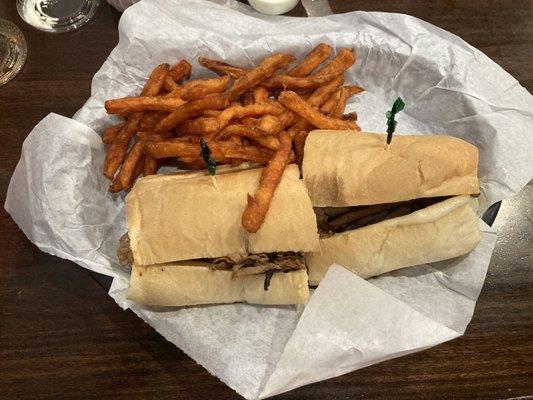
(188, 246)
(383, 208)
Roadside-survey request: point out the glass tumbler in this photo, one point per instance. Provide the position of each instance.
(57, 15)
(13, 51)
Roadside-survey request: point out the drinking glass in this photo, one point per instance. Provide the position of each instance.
(57, 15)
(13, 51)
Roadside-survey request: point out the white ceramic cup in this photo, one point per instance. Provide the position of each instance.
(273, 7)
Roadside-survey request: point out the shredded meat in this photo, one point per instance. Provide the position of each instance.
(241, 265)
(125, 256)
(333, 220)
(255, 264)
(237, 261)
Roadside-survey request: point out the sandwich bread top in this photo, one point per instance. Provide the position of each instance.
(343, 168)
(184, 216)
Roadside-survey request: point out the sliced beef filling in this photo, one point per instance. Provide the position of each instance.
(333, 220)
(241, 265)
(255, 264)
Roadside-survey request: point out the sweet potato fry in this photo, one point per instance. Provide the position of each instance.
(117, 152)
(221, 68)
(270, 142)
(115, 186)
(201, 87)
(236, 162)
(245, 153)
(236, 139)
(350, 116)
(298, 145)
(197, 162)
(323, 93)
(111, 133)
(140, 168)
(300, 125)
(249, 142)
(246, 120)
(316, 57)
(125, 176)
(180, 70)
(258, 74)
(340, 105)
(269, 125)
(315, 100)
(353, 90)
(192, 138)
(169, 85)
(334, 107)
(288, 118)
(287, 82)
(247, 99)
(150, 166)
(225, 117)
(238, 130)
(258, 204)
(198, 126)
(151, 119)
(328, 107)
(150, 135)
(131, 104)
(210, 113)
(334, 104)
(192, 109)
(345, 59)
(220, 151)
(298, 105)
(176, 93)
(193, 163)
(174, 148)
(260, 94)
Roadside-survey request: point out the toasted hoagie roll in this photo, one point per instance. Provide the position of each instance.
(444, 230)
(344, 168)
(383, 208)
(185, 284)
(188, 246)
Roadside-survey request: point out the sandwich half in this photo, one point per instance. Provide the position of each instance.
(188, 246)
(381, 209)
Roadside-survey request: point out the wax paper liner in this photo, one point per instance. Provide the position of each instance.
(58, 196)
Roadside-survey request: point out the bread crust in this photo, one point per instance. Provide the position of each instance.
(444, 230)
(185, 216)
(194, 283)
(344, 168)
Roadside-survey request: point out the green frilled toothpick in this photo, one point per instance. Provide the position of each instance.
(208, 158)
(391, 123)
(210, 162)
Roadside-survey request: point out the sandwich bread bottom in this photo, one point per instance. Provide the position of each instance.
(444, 230)
(192, 283)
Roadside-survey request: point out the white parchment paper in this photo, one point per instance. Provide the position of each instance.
(58, 197)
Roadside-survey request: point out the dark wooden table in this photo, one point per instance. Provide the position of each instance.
(62, 336)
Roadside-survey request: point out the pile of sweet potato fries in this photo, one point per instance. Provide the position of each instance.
(260, 115)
